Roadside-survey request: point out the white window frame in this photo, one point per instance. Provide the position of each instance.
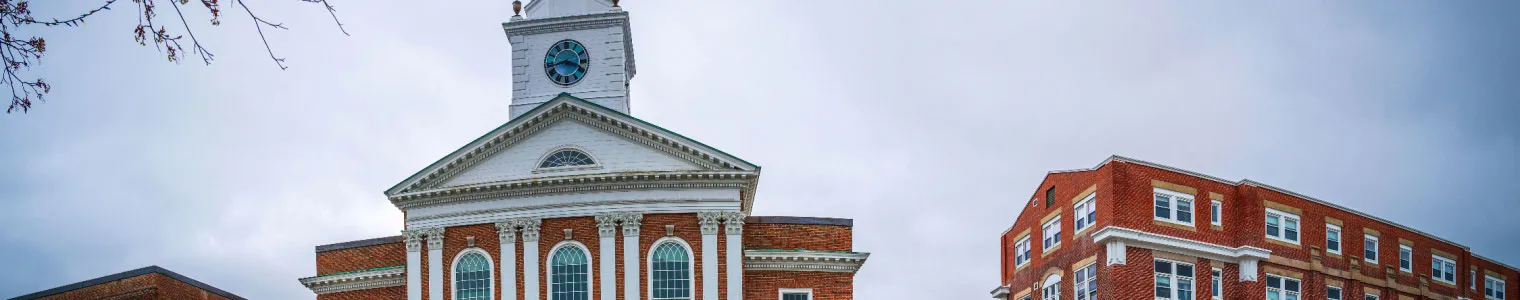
(1338, 290)
(1436, 265)
(1081, 210)
(1052, 227)
(1472, 279)
(1369, 296)
(1021, 257)
(1174, 199)
(781, 294)
(691, 265)
(1216, 213)
(1282, 226)
(1078, 289)
(1488, 281)
(490, 271)
(1283, 291)
(1406, 258)
(1340, 242)
(1218, 286)
(1374, 249)
(1051, 288)
(1176, 285)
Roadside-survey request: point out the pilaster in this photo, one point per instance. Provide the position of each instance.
(435, 262)
(733, 227)
(530, 228)
(606, 228)
(413, 263)
(506, 232)
(631, 255)
(709, 224)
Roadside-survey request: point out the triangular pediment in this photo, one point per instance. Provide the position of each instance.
(617, 142)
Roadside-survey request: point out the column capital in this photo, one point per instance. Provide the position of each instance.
(434, 238)
(733, 223)
(530, 228)
(708, 221)
(506, 231)
(413, 239)
(631, 223)
(606, 224)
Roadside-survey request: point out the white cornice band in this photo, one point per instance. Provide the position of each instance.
(1117, 239)
(362, 280)
(1001, 292)
(803, 261)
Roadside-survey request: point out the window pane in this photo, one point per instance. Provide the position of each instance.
(1163, 267)
(1185, 211)
(1163, 207)
(1184, 270)
(1163, 286)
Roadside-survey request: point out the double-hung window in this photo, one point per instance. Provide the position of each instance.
(1443, 269)
(1370, 248)
(1021, 252)
(1052, 231)
(1174, 280)
(1283, 288)
(1493, 288)
(1333, 293)
(1086, 213)
(1215, 218)
(1086, 284)
(1472, 279)
(1332, 238)
(1370, 297)
(1406, 258)
(1282, 226)
(1218, 286)
(1052, 289)
(796, 294)
(1174, 207)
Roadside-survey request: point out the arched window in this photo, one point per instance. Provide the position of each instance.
(472, 276)
(1051, 290)
(670, 271)
(569, 274)
(567, 157)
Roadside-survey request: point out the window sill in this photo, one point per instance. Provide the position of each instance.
(1284, 243)
(1174, 224)
(1047, 251)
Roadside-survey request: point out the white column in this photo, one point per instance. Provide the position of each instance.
(733, 228)
(1248, 270)
(606, 229)
(506, 232)
(530, 258)
(631, 285)
(413, 264)
(435, 263)
(709, 224)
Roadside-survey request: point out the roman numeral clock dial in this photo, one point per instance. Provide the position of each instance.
(565, 63)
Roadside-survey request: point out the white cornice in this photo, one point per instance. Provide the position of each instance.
(804, 261)
(1178, 245)
(361, 280)
(577, 184)
(1001, 292)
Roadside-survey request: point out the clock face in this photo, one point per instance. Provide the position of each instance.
(566, 62)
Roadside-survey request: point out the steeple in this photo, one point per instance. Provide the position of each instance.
(581, 47)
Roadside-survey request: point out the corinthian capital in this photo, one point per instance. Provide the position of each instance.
(530, 228)
(435, 238)
(606, 224)
(413, 240)
(631, 224)
(733, 223)
(709, 221)
(506, 231)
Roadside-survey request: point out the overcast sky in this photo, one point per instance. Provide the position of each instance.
(925, 121)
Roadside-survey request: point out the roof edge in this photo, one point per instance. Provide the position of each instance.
(360, 243)
(129, 274)
(799, 220)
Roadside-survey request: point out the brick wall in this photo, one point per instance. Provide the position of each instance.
(390, 293)
(825, 285)
(145, 286)
(797, 236)
(361, 258)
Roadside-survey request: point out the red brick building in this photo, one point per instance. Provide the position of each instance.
(575, 199)
(1130, 229)
(150, 282)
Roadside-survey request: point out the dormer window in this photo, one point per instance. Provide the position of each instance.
(565, 158)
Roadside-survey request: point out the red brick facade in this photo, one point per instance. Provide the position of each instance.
(141, 284)
(1124, 190)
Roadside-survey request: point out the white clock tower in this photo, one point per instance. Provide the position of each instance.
(580, 47)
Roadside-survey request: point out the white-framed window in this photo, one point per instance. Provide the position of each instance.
(1472, 279)
(1333, 293)
(1052, 231)
(1026, 297)
(1086, 283)
(1021, 252)
(472, 275)
(1406, 258)
(1086, 212)
(1282, 226)
(1370, 297)
(1332, 238)
(1493, 288)
(1051, 290)
(1174, 280)
(1283, 288)
(569, 272)
(1370, 248)
(1218, 287)
(1443, 269)
(670, 270)
(1215, 208)
(796, 294)
(1174, 207)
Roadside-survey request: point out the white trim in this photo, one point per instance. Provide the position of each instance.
(1368, 296)
(1338, 289)
(1340, 239)
(1080, 216)
(549, 268)
(1076, 286)
(596, 163)
(1048, 282)
(1025, 261)
(1500, 281)
(362, 280)
(454, 268)
(1283, 280)
(1174, 279)
(1216, 275)
(1119, 238)
(1001, 292)
(803, 261)
(781, 293)
(1375, 245)
(1216, 213)
(1049, 286)
(1045, 234)
(1282, 226)
(1454, 269)
(691, 265)
(1406, 249)
(1173, 198)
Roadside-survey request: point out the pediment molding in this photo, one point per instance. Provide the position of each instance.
(803, 260)
(578, 184)
(357, 280)
(565, 107)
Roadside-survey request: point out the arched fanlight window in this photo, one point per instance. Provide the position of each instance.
(472, 276)
(566, 158)
(670, 271)
(1051, 290)
(569, 274)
